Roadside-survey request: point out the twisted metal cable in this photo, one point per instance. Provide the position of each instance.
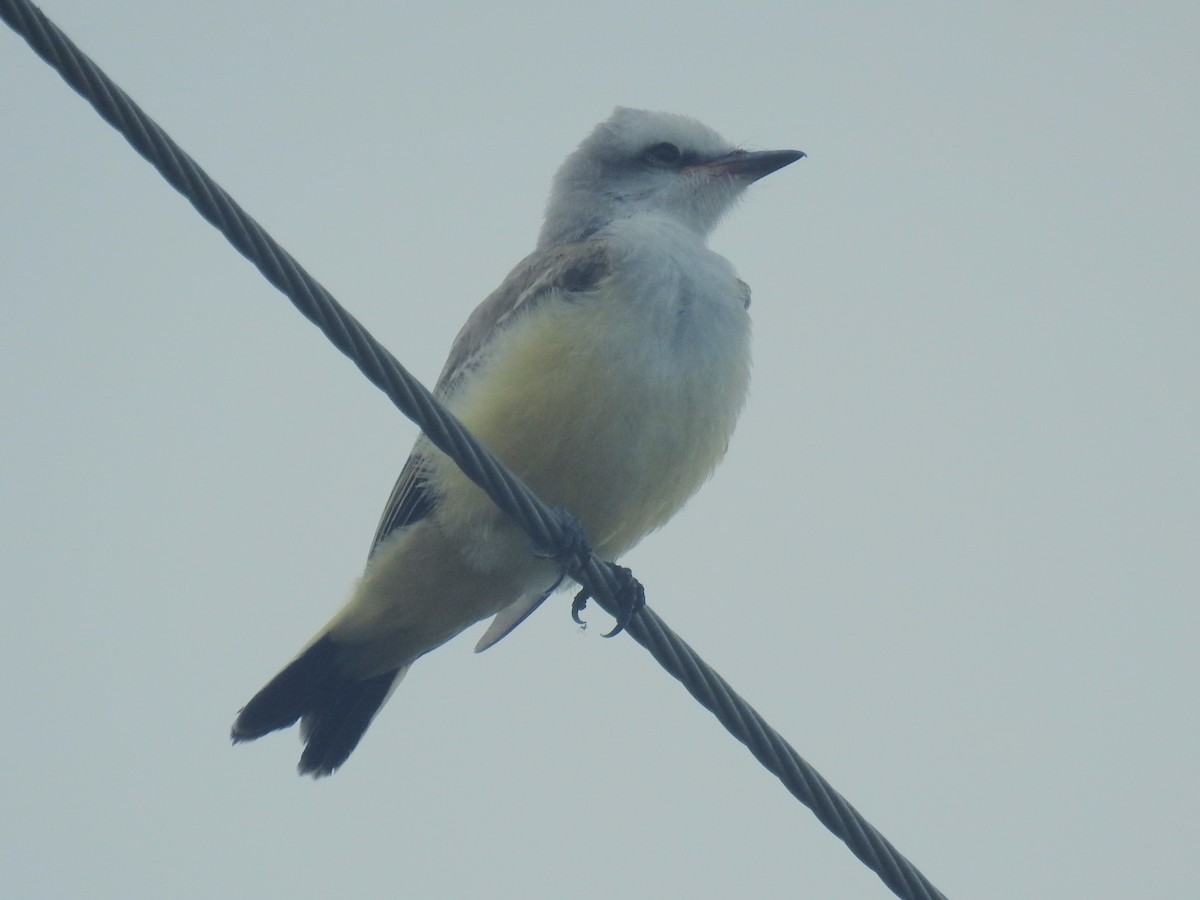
(543, 524)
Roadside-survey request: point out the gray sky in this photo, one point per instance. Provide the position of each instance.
(952, 554)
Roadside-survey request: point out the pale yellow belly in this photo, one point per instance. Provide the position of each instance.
(600, 421)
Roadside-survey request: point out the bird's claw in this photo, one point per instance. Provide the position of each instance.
(631, 597)
(577, 606)
(572, 552)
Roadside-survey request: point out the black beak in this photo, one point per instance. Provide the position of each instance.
(751, 166)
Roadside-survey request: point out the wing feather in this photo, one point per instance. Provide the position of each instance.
(573, 269)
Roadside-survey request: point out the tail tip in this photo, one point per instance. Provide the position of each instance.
(334, 709)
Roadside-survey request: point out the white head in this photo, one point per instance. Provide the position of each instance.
(639, 161)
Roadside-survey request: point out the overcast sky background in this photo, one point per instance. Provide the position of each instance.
(951, 556)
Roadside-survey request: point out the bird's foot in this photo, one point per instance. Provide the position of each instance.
(631, 597)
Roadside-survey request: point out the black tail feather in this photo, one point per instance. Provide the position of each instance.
(335, 708)
(333, 728)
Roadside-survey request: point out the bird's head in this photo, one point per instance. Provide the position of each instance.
(638, 161)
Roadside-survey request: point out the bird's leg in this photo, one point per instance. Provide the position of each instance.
(631, 597)
(571, 552)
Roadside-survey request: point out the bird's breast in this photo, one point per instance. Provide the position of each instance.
(616, 404)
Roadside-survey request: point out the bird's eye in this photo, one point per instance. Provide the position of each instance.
(665, 154)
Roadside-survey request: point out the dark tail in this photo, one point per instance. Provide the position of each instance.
(334, 708)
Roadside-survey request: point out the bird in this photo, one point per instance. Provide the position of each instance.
(607, 371)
